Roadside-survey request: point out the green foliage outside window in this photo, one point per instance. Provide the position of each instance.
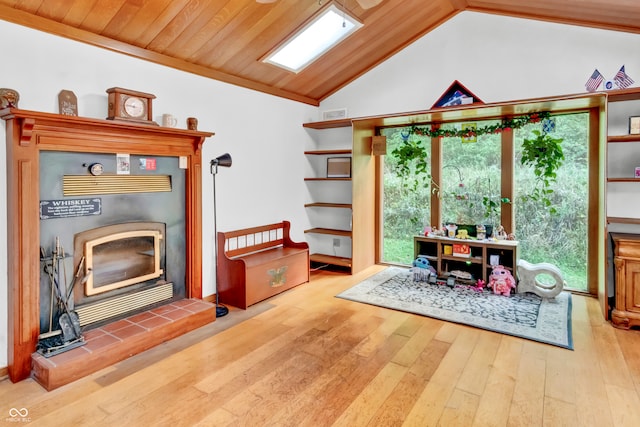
(559, 238)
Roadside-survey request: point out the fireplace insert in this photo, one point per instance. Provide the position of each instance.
(124, 270)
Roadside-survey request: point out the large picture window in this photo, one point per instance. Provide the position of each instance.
(470, 190)
(406, 206)
(471, 172)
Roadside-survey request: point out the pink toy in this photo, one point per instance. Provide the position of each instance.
(501, 281)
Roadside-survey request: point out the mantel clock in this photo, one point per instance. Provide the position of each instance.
(130, 105)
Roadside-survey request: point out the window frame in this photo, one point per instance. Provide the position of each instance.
(597, 156)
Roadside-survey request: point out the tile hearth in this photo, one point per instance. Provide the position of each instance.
(114, 342)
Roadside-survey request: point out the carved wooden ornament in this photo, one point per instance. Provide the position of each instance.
(67, 103)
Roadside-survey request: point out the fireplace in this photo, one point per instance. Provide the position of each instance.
(121, 235)
(43, 150)
(123, 268)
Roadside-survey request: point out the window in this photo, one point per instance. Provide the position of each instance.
(406, 203)
(471, 178)
(471, 175)
(321, 34)
(561, 238)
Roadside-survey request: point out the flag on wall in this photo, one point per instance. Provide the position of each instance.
(594, 81)
(622, 79)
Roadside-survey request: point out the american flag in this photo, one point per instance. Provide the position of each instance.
(622, 79)
(594, 81)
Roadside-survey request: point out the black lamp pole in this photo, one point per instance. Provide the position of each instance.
(223, 161)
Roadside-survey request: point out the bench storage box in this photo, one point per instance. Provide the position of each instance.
(259, 262)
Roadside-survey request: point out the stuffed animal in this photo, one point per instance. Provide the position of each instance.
(422, 270)
(501, 281)
(462, 234)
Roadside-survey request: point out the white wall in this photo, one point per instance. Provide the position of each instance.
(263, 133)
(496, 57)
(499, 58)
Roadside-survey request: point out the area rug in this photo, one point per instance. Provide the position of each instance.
(521, 315)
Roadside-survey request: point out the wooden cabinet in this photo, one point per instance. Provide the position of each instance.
(626, 312)
(440, 253)
(342, 229)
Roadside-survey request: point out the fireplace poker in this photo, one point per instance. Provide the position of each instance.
(47, 270)
(64, 275)
(75, 278)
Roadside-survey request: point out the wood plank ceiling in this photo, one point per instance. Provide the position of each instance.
(227, 39)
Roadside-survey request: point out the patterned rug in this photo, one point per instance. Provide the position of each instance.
(522, 315)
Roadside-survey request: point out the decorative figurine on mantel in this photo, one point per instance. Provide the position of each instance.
(67, 103)
(9, 98)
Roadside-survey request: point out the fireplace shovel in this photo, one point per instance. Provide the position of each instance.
(69, 327)
(69, 320)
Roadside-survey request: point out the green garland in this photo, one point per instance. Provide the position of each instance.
(505, 124)
(413, 153)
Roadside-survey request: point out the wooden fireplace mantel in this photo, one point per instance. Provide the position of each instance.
(29, 132)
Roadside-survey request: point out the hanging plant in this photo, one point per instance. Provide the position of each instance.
(484, 196)
(412, 160)
(544, 154)
(491, 206)
(411, 152)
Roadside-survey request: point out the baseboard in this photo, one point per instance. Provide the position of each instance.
(4, 372)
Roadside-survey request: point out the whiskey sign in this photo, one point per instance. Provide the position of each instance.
(50, 209)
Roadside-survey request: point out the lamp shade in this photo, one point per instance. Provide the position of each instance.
(224, 161)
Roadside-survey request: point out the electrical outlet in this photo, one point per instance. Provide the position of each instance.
(336, 243)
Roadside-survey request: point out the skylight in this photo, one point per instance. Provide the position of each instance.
(318, 36)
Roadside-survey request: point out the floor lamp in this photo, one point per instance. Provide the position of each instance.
(224, 161)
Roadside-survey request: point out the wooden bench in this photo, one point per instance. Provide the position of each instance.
(259, 262)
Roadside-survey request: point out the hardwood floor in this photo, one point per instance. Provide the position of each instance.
(306, 358)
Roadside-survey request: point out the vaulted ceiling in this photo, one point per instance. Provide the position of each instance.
(227, 40)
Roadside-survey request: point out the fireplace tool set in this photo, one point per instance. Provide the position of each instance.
(67, 333)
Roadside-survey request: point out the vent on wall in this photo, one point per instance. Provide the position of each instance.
(81, 185)
(340, 113)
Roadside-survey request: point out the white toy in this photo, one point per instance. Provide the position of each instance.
(528, 279)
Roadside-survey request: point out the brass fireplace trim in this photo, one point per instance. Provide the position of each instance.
(81, 185)
(120, 305)
(90, 289)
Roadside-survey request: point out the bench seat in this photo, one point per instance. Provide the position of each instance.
(258, 263)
